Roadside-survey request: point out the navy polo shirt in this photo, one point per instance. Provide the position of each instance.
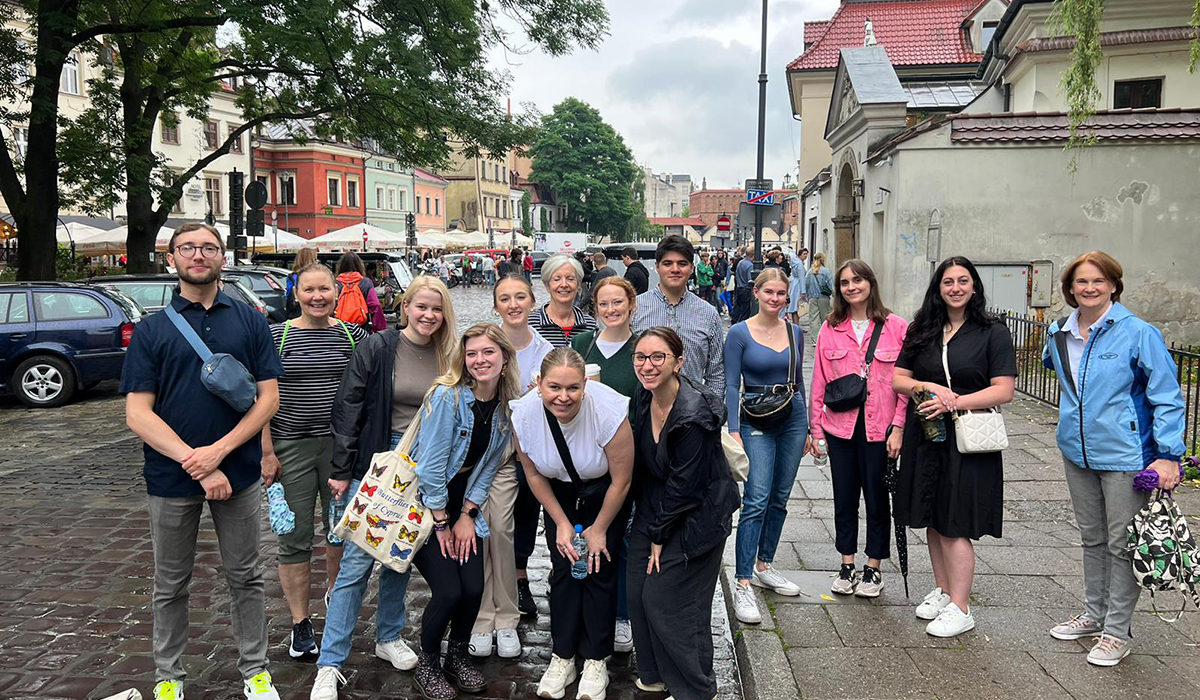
(161, 361)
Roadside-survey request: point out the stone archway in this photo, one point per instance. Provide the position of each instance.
(845, 222)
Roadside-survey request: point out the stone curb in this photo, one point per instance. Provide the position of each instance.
(761, 661)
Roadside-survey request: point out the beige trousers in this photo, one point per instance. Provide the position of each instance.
(498, 610)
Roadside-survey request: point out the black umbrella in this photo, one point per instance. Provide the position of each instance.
(891, 478)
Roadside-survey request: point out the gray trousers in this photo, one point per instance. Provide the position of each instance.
(174, 523)
(1104, 503)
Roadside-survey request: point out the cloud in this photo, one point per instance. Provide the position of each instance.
(701, 11)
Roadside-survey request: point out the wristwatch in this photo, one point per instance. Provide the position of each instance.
(472, 513)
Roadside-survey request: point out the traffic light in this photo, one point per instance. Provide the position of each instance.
(410, 223)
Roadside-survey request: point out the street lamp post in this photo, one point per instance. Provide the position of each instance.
(762, 127)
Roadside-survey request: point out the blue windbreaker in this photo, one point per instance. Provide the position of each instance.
(1128, 409)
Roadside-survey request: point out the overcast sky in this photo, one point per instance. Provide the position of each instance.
(679, 80)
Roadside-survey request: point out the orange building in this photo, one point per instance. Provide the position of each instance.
(430, 196)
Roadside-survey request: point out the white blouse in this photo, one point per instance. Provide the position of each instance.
(599, 417)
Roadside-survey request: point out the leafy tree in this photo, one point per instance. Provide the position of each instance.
(687, 211)
(583, 159)
(544, 222)
(408, 74)
(526, 219)
(1082, 20)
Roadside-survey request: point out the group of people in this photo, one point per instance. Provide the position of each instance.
(610, 427)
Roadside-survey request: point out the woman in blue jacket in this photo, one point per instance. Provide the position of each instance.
(1120, 411)
(464, 435)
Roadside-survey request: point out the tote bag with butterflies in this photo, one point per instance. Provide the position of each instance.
(385, 517)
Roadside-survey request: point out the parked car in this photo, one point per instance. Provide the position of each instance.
(539, 257)
(153, 291)
(57, 338)
(266, 283)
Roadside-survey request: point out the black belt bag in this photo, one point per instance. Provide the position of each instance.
(849, 392)
(772, 408)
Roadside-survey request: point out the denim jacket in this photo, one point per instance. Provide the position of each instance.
(440, 448)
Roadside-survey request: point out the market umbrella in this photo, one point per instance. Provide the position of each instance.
(891, 477)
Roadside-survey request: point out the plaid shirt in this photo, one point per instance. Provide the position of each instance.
(700, 327)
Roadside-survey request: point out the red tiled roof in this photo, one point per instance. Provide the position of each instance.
(813, 31)
(1121, 38)
(1107, 125)
(979, 6)
(914, 33)
(426, 175)
(693, 221)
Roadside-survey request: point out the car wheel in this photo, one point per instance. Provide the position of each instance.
(44, 382)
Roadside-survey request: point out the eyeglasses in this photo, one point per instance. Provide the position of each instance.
(656, 358)
(188, 250)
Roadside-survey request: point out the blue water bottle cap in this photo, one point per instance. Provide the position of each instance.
(578, 528)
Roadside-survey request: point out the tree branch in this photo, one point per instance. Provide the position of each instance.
(10, 183)
(147, 27)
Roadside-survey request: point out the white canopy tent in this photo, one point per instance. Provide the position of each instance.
(286, 241)
(73, 231)
(432, 239)
(351, 238)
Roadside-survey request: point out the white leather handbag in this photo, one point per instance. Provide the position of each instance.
(976, 432)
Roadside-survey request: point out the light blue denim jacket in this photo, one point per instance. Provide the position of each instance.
(441, 446)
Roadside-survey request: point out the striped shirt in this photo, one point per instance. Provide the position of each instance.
(313, 362)
(540, 321)
(698, 325)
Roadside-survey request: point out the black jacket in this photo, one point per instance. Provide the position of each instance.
(686, 489)
(362, 411)
(638, 276)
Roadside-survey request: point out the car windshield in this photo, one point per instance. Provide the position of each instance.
(128, 305)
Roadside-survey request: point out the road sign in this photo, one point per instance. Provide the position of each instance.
(724, 223)
(769, 216)
(764, 184)
(328, 211)
(256, 194)
(764, 198)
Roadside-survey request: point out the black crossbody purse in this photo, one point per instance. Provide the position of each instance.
(849, 392)
(773, 405)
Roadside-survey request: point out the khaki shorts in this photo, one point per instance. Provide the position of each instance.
(306, 466)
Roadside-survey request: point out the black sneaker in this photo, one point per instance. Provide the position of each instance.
(525, 598)
(304, 640)
(846, 580)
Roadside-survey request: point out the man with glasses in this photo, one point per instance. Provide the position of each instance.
(696, 321)
(199, 448)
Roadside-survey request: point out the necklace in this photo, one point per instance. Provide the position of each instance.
(769, 333)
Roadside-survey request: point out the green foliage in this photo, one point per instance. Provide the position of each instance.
(687, 211)
(526, 217)
(586, 162)
(544, 222)
(1080, 19)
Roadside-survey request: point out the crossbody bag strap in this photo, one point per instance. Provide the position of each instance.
(561, 443)
(875, 333)
(286, 325)
(189, 334)
(344, 328)
(946, 367)
(791, 356)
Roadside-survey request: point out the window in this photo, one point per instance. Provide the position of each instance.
(1137, 94)
(418, 200)
(989, 30)
(14, 308)
(210, 134)
(170, 134)
(403, 200)
(335, 191)
(21, 141)
(427, 205)
(23, 73)
(150, 296)
(177, 207)
(483, 169)
(235, 146)
(69, 81)
(67, 306)
(212, 195)
(506, 208)
(352, 193)
(391, 199)
(266, 184)
(437, 207)
(287, 189)
(379, 198)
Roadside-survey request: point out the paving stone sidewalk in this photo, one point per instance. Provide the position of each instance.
(819, 648)
(76, 572)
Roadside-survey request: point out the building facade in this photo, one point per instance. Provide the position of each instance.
(477, 194)
(666, 194)
(430, 202)
(388, 192)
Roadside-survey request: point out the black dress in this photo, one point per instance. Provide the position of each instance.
(957, 495)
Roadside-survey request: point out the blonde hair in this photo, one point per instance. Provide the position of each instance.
(443, 337)
(457, 374)
(818, 262)
(304, 258)
(770, 274)
(563, 357)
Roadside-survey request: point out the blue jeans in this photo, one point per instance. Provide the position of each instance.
(774, 458)
(345, 600)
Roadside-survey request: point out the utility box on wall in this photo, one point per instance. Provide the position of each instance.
(1041, 284)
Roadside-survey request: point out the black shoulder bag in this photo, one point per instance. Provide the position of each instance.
(583, 489)
(772, 406)
(849, 392)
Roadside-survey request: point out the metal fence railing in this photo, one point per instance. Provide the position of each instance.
(1035, 381)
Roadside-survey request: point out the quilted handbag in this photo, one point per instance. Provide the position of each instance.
(979, 431)
(1163, 551)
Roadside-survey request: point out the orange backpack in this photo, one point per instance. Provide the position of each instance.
(352, 301)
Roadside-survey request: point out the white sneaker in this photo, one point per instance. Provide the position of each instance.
(650, 687)
(951, 622)
(594, 682)
(325, 687)
(397, 653)
(934, 601)
(557, 677)
(1108, 651)
(772, 579)
(623, 639)
(508, 644)
(481, 645)
(745, 607)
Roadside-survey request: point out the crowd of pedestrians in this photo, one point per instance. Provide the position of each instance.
(610, 433)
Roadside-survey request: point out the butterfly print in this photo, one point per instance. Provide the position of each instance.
(376, 521)
(415, 514)
(410, 535)
(353, 524)
(369, 490)
(359, 508)
(373, 540)
(401, 486)
(402, 553)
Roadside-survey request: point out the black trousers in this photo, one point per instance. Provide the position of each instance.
(525, 521)
(583, 612)
(857, 466)
(671, 614)
(457, 588)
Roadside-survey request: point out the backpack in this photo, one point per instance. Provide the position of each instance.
(352, 300)
(1163, 551)
(826, 289)
(291, 305)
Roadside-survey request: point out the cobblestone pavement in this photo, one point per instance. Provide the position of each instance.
(76, 573)
(818, 646)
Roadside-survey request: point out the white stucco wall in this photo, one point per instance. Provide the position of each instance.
(1036, 81)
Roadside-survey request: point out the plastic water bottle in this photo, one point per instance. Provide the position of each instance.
(336, 508)
(822, 457)
(580, 568)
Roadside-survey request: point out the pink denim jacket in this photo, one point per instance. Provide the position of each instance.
(838, 354)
